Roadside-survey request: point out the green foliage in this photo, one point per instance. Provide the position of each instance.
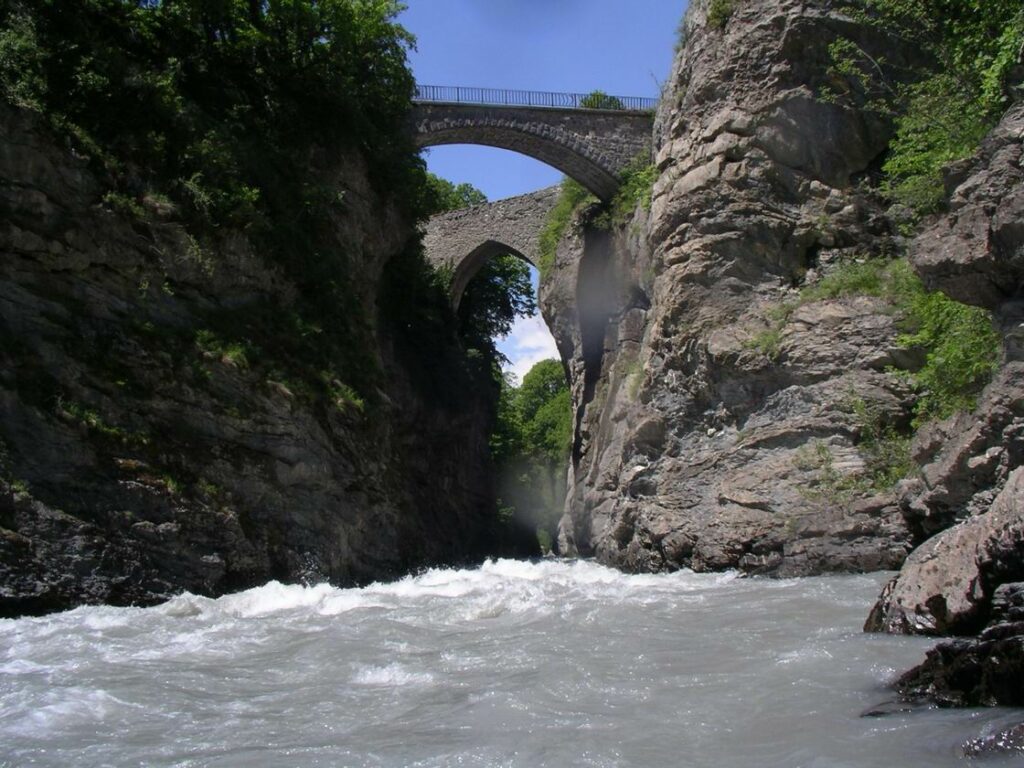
(232, 117)
(573, 196)
(530, 445)
(91, 420)
(214, 104)
(719, 13)
(942, 123)
(962, 347)
(443, 195)
(856, 277)
(886, 449)
(499, 293)
(960, 344)
(944, 107)
(545, 411)
(229, 353)
(601, 100)
(636, 189)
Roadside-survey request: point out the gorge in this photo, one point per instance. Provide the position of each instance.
(221, 368)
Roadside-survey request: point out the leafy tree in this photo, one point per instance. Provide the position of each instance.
(601, 100)
(531, 445)
(443, 195)
(500, 292)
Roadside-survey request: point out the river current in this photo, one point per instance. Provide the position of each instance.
(512, 664)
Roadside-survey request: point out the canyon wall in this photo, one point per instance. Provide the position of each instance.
(149, 442)
(724, 414)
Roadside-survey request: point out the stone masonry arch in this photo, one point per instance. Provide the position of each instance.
(462, 241)
(591, 146)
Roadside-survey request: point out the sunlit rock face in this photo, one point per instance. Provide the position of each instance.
(723, 421)
(967, 578)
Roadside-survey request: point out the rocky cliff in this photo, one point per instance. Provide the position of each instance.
(966, 578)
(158, 428)
(727, 415)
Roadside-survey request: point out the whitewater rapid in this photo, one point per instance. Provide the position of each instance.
(511, 664)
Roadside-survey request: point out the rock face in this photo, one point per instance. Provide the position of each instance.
(136, 463)
(723, 420)
(966, 578)
(970, 463)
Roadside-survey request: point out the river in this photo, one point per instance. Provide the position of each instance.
(554, 663)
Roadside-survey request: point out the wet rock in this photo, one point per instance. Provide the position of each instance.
(1009, 741)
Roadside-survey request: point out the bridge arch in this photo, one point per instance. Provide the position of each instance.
(462, 241)
(468, 267)
(591, 146)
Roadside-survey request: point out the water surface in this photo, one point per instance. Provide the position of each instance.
(513, 664)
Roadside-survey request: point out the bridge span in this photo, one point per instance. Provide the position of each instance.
(591, 138)
(464, 240)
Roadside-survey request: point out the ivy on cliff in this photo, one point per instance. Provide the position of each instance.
(945, 103)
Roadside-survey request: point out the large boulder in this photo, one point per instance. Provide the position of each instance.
(947, 584)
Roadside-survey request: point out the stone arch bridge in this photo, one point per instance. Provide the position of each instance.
(464, 240)
(590, 138)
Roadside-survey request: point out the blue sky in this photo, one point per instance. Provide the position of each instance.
(622, 47)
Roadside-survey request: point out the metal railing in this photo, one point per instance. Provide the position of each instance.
(451, 94)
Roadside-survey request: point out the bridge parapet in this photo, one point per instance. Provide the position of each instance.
(505, 97)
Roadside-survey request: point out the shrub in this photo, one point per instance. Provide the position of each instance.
(719, 13)
(960, 344)
(573, 195)
(943, 107)
(600, 100)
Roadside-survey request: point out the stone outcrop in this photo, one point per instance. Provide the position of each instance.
(722, 416)
(134, 463)
(947, 584)
(966, 578)
(970, 463)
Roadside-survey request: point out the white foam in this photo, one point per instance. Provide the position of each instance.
(393, 674)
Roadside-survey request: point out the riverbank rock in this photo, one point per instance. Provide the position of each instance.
(983, 671)
(965, 579)
(947, 585)
(724, 416)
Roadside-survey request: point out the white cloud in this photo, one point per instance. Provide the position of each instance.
(527, 344)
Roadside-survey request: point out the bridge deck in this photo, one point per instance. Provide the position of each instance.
(449, 94)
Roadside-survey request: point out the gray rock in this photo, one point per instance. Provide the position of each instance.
(947, 584)
(709, 433)
(975, 254)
